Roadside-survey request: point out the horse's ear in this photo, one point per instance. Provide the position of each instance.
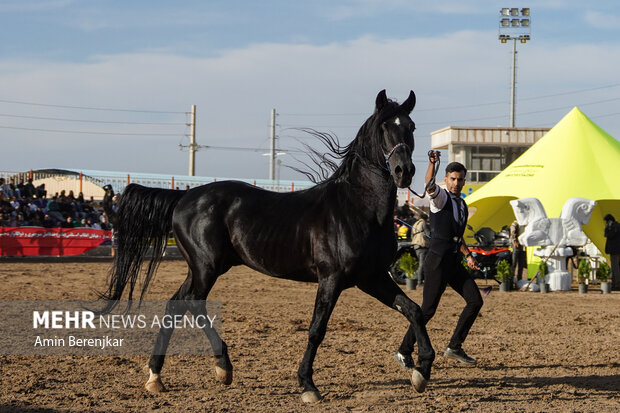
(381, 100)
(409, 104)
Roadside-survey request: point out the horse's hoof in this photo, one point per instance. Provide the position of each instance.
(310, 396)
(223, 376)
(154, 385)
(418, 381)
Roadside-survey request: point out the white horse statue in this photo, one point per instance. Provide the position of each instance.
(554, 235)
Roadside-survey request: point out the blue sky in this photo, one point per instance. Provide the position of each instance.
(319, 63)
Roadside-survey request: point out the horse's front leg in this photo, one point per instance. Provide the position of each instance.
(328, 292)
(383, 288)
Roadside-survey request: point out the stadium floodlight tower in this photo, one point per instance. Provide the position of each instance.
(514, 24)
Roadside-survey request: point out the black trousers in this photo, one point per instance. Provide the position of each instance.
(615, 271)
(441, 271)
(519, 262)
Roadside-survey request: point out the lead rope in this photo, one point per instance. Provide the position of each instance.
(430, 183)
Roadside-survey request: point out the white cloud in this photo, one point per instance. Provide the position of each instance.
(603, 20)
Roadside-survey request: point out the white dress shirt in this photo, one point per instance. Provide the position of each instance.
(438, 200)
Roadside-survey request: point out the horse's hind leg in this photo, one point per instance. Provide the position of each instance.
(176, 306)
(223, 366)
(190, 296)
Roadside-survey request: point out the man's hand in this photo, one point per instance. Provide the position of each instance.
(433, 156)
(472, 263)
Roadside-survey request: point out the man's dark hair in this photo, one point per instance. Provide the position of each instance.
(456, 167)
(609, 217)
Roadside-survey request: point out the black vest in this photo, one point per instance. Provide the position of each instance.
(446, 233)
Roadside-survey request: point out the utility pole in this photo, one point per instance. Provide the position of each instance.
(513, 82)
(272, 151)
(192, 142)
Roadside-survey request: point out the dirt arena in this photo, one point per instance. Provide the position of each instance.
(536, 353)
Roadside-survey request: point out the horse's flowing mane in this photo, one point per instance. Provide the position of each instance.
(336, 162)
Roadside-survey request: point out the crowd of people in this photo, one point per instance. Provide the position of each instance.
(24, 205)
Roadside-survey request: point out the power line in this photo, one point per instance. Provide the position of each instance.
(89, 132)
(520, 99)
(573, 92)
(240, 148)
(91, 121)
(17, 102)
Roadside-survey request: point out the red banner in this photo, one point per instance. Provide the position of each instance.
(20, 241)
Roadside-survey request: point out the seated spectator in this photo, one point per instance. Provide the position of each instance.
(53, 209)
(12, 189)
(20, 221)
(68, 223)
(15, 203)
(3, 188)
(11, 221)
(48, 221)
(105, 223)
(35, 221)
(93, 224)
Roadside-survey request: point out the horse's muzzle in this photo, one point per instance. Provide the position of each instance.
(403, 174)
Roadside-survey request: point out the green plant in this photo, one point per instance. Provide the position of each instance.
(543, 270)
(464, 262)
(503, 271)
(583, 271)
(408, 264)
(603, 271)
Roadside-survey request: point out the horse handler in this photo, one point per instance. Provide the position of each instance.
(448, 217)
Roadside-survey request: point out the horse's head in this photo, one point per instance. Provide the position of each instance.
(397, 133)
(579, 209)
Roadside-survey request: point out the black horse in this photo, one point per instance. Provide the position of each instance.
(338, 233)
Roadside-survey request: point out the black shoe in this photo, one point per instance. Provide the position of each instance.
(406, 361)
(459, 354)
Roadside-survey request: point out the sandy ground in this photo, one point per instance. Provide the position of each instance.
(536, 352)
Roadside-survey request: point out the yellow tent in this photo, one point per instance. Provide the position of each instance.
(574, 159)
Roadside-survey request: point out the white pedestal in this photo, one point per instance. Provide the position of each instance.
(560, 281)
(558, 278)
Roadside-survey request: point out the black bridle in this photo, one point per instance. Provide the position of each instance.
(390, 153)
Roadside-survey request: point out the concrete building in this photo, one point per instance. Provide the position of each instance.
(485, 151)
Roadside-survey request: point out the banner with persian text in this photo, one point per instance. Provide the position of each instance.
(36, 241)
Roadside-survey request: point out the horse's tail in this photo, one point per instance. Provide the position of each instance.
(144, 220)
